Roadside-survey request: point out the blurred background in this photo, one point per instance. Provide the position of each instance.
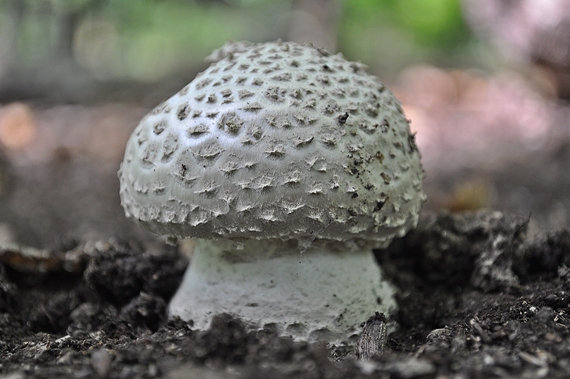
(484, 82)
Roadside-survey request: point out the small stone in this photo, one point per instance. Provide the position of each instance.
(101, 362)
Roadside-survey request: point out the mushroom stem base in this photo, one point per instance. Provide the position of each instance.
(315, 295)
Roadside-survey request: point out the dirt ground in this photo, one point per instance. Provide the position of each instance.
(479, 297)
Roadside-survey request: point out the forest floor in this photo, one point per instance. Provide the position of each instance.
(479, 297)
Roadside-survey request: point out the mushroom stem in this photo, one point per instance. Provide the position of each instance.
(315, 295)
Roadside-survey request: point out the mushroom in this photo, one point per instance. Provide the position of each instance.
(288, 165)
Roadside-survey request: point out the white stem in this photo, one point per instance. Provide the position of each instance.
(316, 295)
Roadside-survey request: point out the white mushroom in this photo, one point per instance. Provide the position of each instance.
(288, 165)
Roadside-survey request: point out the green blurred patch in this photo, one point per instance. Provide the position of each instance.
(392, 33)
(151, 39)
(159, 37)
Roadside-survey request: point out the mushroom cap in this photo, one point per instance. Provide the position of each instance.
(275, 140)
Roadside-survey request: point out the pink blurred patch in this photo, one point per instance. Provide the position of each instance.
(18, 126)
(466, 120)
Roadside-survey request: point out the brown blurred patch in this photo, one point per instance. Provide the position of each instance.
(17, 126)
(470, 195)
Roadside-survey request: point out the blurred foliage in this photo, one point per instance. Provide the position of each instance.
(151, 39)
(390, 34)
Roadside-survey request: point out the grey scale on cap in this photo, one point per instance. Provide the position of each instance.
(276, 140)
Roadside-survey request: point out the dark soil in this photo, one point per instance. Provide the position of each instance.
(479, 298)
